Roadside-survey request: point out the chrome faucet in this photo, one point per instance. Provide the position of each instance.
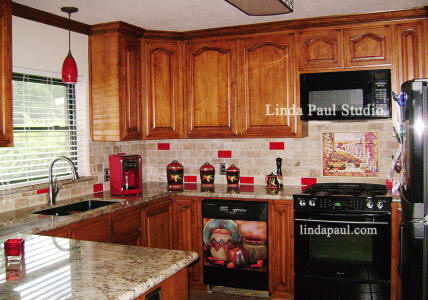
(53, 181)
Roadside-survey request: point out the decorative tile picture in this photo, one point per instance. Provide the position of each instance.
(350, 154)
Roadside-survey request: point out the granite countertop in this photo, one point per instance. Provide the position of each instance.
(91, 270)
(74, 269)
(23, 220)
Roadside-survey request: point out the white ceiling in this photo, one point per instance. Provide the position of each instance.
(183, 15)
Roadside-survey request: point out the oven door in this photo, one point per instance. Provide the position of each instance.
(343, 247)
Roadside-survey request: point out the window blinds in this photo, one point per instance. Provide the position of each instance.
(44, 122)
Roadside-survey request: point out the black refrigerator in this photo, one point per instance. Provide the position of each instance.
(414, 192)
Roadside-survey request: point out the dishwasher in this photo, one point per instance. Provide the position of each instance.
(235, 243)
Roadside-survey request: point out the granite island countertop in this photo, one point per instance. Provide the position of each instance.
(24, 220)
(75, 269)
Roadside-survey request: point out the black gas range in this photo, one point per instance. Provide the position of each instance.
(349, 197)
(342, 242)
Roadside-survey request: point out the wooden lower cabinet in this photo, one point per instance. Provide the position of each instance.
(63, 232)
(172, 288)
(187, 234)
(395, 250)
(95, 230)
(125, 227)
(156, 225)
(177, 224)
(281, 249)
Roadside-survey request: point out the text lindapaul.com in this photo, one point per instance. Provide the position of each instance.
(330, 231)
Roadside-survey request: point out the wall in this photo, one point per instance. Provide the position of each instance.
(301, 157)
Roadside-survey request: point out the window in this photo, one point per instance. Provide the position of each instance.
(44, 127)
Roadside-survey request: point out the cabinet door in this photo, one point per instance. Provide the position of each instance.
(410, 44)
(163, 105)
(187, 224)
(125, 227)
(63, 232)
(211, 100)
(320, 49)
(267, 83)
(95, 230)
(367, 46)
(395, 250)
(156, 225)
(130, 88)
(6, 123)
(281, 249)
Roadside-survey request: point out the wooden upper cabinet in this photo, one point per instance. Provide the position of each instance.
(211, 100)
(267, 82)
(410, 49)
(130, 94)
(367, 46)
(6, 121)
(318, 49)
(115, 83)
(163, 107)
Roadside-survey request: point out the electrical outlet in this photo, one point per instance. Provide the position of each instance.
(106, 174)
(223, 167)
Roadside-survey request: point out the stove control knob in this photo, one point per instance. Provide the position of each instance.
(369, 204)
(312, 202)
(379, 204)
(302, 202)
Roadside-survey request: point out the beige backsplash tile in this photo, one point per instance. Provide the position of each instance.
(301, 158)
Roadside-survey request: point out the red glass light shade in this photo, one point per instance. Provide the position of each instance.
(69, 69)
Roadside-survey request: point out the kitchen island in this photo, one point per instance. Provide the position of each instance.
(59, 268)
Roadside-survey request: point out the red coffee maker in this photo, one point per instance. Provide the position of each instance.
(125, 174)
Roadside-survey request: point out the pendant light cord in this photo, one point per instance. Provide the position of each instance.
(69, 34)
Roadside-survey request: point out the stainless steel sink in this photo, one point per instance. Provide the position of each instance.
(77, 207)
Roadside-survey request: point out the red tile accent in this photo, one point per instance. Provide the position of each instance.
(42, 191)
(97, 187)
(224, 154)
(163, 146)
(191, 186)
(190, 179)
(246, 188)
(307, 181)
(276, 146)
(304, 187)
(246, 180)
(100, 195)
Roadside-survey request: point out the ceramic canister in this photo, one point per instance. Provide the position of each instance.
(174, 174)
(207, 172)
(272, 181)
(256, 248)
(232, 176)
(220, 243)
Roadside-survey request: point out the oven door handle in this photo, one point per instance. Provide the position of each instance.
(342, 221)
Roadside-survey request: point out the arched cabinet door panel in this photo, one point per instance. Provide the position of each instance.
(410, 50)
(211, 100)
(367, 46)
(163, 108)
(320, 49)
(267, 86)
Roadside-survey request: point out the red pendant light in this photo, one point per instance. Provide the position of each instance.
(69, 66)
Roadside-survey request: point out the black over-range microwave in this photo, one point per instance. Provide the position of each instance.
(349, 95)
